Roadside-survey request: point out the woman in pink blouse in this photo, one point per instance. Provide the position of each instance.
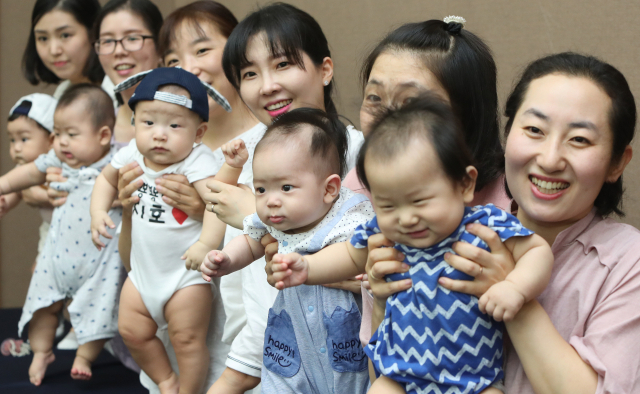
(571, 119)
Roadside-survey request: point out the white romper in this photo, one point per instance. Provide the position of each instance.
(70, 266)
(160, 234)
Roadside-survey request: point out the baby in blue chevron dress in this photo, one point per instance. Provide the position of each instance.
(432, 340)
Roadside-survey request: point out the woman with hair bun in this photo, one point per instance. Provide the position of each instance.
(447, 60)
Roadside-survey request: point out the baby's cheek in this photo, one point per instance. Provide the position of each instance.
(261, 208)
(387, 228)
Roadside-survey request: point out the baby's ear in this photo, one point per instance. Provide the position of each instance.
(469, 184)
(105, 135)
(200, 132)
(332, 188)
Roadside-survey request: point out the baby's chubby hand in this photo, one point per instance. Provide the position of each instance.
(289, 270)
(502, 301)
(216, 263)
(195, 255)
(235, 153)
(99, 222)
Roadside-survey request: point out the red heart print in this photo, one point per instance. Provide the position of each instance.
(179, 215)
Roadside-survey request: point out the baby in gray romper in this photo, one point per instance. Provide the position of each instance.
(311, 341)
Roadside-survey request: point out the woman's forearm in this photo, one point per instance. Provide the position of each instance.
(551, 364)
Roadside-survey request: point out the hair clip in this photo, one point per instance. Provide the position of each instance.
(455, 19)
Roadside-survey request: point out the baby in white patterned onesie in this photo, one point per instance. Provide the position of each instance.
(68, 267)
(171, 110)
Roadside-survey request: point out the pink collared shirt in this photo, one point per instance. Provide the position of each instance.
(493, 193)
(593, 300)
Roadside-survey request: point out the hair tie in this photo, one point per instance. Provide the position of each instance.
(454, 24)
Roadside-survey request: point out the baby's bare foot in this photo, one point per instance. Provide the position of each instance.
(39, 364)
(170, 386)
(81, 369)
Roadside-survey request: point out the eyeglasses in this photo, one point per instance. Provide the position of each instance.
(130, 43)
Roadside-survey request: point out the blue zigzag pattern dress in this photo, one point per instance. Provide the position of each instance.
(433, 340)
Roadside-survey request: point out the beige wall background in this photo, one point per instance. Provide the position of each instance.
(518, 31)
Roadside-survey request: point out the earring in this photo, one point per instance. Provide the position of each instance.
(326, 83)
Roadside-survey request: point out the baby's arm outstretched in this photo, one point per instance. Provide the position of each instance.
(239, 253)
(534, 262)
(104, 192)
(20, 178)
(213, 229)
(332, 264)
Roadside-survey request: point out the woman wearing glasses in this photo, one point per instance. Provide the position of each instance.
(126, 34)
(125, 37)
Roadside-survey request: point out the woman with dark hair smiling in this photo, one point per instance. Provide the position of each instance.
(571, 119)
(59, 45)
(125, 38)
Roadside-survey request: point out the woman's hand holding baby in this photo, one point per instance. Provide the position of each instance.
(235, 153)
(128, 182)
(288, 270)
(100, 220)
(383, 260)
(56, 198)
(179, 193)
(230, 201)
(488, 268)
(195, 255)
(216, 263)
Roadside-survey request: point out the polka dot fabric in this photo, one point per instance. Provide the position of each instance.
(70, 266)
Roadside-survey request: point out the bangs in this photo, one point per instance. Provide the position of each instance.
(283, 39)
(194, 16)
(170, 31)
